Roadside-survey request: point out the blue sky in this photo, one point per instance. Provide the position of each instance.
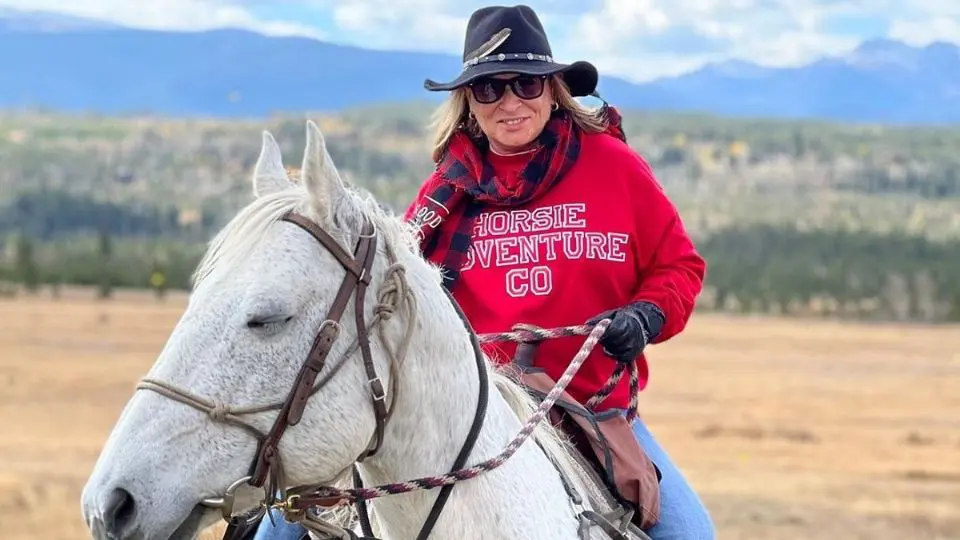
(635, 39)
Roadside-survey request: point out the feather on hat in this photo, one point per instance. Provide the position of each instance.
(503, 39)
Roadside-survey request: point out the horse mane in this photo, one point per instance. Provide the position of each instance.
(244, 232)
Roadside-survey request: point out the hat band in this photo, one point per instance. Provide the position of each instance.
(506, 56)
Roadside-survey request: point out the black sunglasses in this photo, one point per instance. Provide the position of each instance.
(489, 90)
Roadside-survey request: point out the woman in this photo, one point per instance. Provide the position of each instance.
(539, 212)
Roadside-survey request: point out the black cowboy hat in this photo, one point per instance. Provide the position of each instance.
(501, 39)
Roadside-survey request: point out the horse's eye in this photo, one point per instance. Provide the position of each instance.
(273, 320)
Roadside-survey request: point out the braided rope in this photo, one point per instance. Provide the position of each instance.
(525, 333)
(327, 494)
(528, 333)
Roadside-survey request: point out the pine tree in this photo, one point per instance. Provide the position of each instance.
(27, 270)
(105, 254)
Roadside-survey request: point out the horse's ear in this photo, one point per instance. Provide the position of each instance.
(319, 174)
(268, 174)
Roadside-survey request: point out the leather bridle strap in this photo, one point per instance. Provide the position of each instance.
(465, 450)
(358, 268)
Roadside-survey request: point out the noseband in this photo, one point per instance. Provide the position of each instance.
(267, 465)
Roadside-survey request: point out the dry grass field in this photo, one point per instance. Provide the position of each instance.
(789, 429)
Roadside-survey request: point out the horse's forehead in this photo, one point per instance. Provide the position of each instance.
(287, 266)
(290, 238)
(288, 251)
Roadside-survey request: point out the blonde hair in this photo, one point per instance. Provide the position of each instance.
(453, 115)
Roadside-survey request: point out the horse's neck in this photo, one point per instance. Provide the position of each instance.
(439, 389)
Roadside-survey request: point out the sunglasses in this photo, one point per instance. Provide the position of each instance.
(524, 87)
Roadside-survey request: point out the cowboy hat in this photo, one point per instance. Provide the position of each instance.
(501, 39)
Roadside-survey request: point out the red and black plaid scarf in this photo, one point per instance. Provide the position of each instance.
(464, 177)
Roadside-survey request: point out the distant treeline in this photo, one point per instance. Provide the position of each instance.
(50, 214)
(938, 181)
(100, 260)
(853, 274)
(757, 269)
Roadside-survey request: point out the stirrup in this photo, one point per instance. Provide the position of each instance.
(619, 531)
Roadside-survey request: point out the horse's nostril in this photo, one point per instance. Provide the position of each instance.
(119, 512)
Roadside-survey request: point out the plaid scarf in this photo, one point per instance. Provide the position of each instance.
(464, 177)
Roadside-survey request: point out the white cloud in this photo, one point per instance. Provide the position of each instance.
(770, 33)
(635, 39)
(166, 14)
(619, 19)
(401, 24)
(643, 39)
(921, 32)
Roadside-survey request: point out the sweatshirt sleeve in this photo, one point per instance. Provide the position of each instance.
(670, 268)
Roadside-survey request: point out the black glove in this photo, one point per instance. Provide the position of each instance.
(631, 328)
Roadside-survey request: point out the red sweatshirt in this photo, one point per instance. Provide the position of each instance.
(604, 236)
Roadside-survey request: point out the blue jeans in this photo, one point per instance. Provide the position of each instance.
(682, 515)
(283, 530)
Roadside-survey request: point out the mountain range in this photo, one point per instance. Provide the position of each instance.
(75, 65)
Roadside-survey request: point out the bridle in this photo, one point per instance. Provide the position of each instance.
(266, 470)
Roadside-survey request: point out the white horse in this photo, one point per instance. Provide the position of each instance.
(261, 292)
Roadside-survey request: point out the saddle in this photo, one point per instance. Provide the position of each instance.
(605, 440)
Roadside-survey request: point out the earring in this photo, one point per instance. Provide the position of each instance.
(555, 106)
(471, 115)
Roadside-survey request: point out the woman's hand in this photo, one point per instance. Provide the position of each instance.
(631, 328)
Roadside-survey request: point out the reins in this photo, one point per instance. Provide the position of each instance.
(297, 502)
(324, 496)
